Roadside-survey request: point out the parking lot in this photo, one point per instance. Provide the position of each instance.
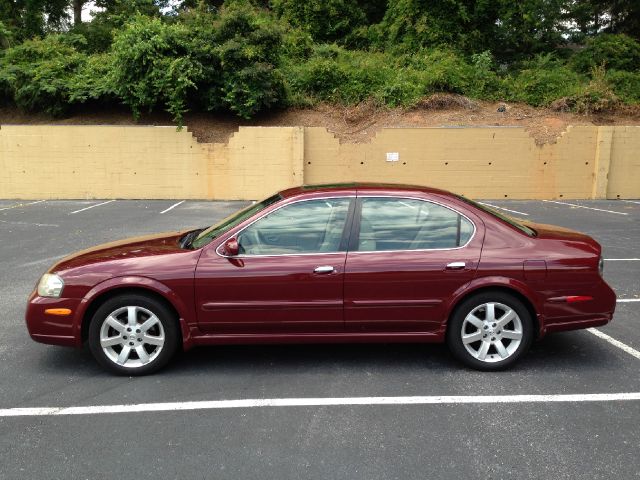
(495, 433)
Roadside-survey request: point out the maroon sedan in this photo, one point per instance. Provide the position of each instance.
(334, 263)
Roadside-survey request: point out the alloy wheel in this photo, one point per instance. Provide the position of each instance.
(132, 336)
(492, 332)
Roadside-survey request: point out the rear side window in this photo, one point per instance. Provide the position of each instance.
(408, 224)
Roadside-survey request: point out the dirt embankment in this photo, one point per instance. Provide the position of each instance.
(354, 124)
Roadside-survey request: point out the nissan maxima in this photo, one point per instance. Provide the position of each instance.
(324, 264)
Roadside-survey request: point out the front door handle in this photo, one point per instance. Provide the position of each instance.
(456, 265)
(324, 269)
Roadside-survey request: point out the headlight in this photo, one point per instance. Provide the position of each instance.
(601, 267)
(50, 285)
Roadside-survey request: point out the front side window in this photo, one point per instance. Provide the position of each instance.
(231, 221)
(408, 224)
(312, 226)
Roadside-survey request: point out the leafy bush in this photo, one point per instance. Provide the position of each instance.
(91, 80)
(325, 20)
(615, 52)
(442, 70)
(98, 35)
(596, 96)
(626, 85)
(339, 75)
(543, 80)
(39, 73)
(249, 52)
(153, 65)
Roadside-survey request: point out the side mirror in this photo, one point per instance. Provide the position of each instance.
(231, 247)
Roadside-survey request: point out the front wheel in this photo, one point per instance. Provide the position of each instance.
(490, 331)
(133, 335)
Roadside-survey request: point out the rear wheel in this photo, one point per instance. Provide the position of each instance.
(133, 335)
(490, 331)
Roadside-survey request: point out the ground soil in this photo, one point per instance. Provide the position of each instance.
(356, 123)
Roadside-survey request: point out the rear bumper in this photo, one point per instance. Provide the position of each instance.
(53, 329)
(598, 311)
(578, 323)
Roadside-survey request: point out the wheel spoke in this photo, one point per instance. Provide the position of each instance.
(142, 354)
(471, 337)
(150, 322)
(132, 316)
(124, 355)
(115, 324)
(511, 334)
(500, 348)
(473, 320)
(153, 339)
(491, 312)
(110, 342)
(506, 318)
(482, 353)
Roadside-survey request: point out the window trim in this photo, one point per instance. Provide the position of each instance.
(358, 216)
(346, 231)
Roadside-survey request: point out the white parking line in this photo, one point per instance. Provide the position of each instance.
(582, 206)
(172, 207)
(92, 206)
(622, 259)
(317, 402)
(625, 300)
(630, 201)
(30, 224)
(502, 208)
(17, 205)
(613, 341)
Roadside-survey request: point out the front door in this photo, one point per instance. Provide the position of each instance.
(288, 277)
(407, 258)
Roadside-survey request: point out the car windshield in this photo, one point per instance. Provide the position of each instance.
(505, 218)
(231, 221)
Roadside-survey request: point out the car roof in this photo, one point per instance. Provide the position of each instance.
(360, 187)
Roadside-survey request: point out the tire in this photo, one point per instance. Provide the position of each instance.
(133, 334)
(490, 344)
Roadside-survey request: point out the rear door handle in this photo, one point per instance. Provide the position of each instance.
(324, 269)
(456, 265)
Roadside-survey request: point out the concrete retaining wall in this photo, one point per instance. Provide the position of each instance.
(39, 162)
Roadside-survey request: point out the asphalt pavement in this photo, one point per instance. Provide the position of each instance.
(495, 440)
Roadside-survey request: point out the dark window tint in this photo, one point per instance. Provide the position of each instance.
(312, 226)
(407, 224)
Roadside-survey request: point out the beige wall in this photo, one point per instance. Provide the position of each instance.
(159, 162)
(624, 172)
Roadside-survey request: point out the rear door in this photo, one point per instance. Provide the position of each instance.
(406, 259)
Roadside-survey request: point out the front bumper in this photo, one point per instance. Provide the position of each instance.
(53, 329)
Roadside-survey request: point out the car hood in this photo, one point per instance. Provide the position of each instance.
(130, 248)
(565, 235)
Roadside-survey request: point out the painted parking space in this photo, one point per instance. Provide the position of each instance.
(572, 363)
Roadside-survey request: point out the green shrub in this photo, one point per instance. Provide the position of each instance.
(542, 81)
(250, 50)
(615, 52)
(92, 80)
(626, 85)
(596, 96)
(442, 70)
(325, 20)
(153, 65)
(97, 33)
(337, 75)
(38, 74)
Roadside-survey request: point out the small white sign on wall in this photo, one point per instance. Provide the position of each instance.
(393, 156)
